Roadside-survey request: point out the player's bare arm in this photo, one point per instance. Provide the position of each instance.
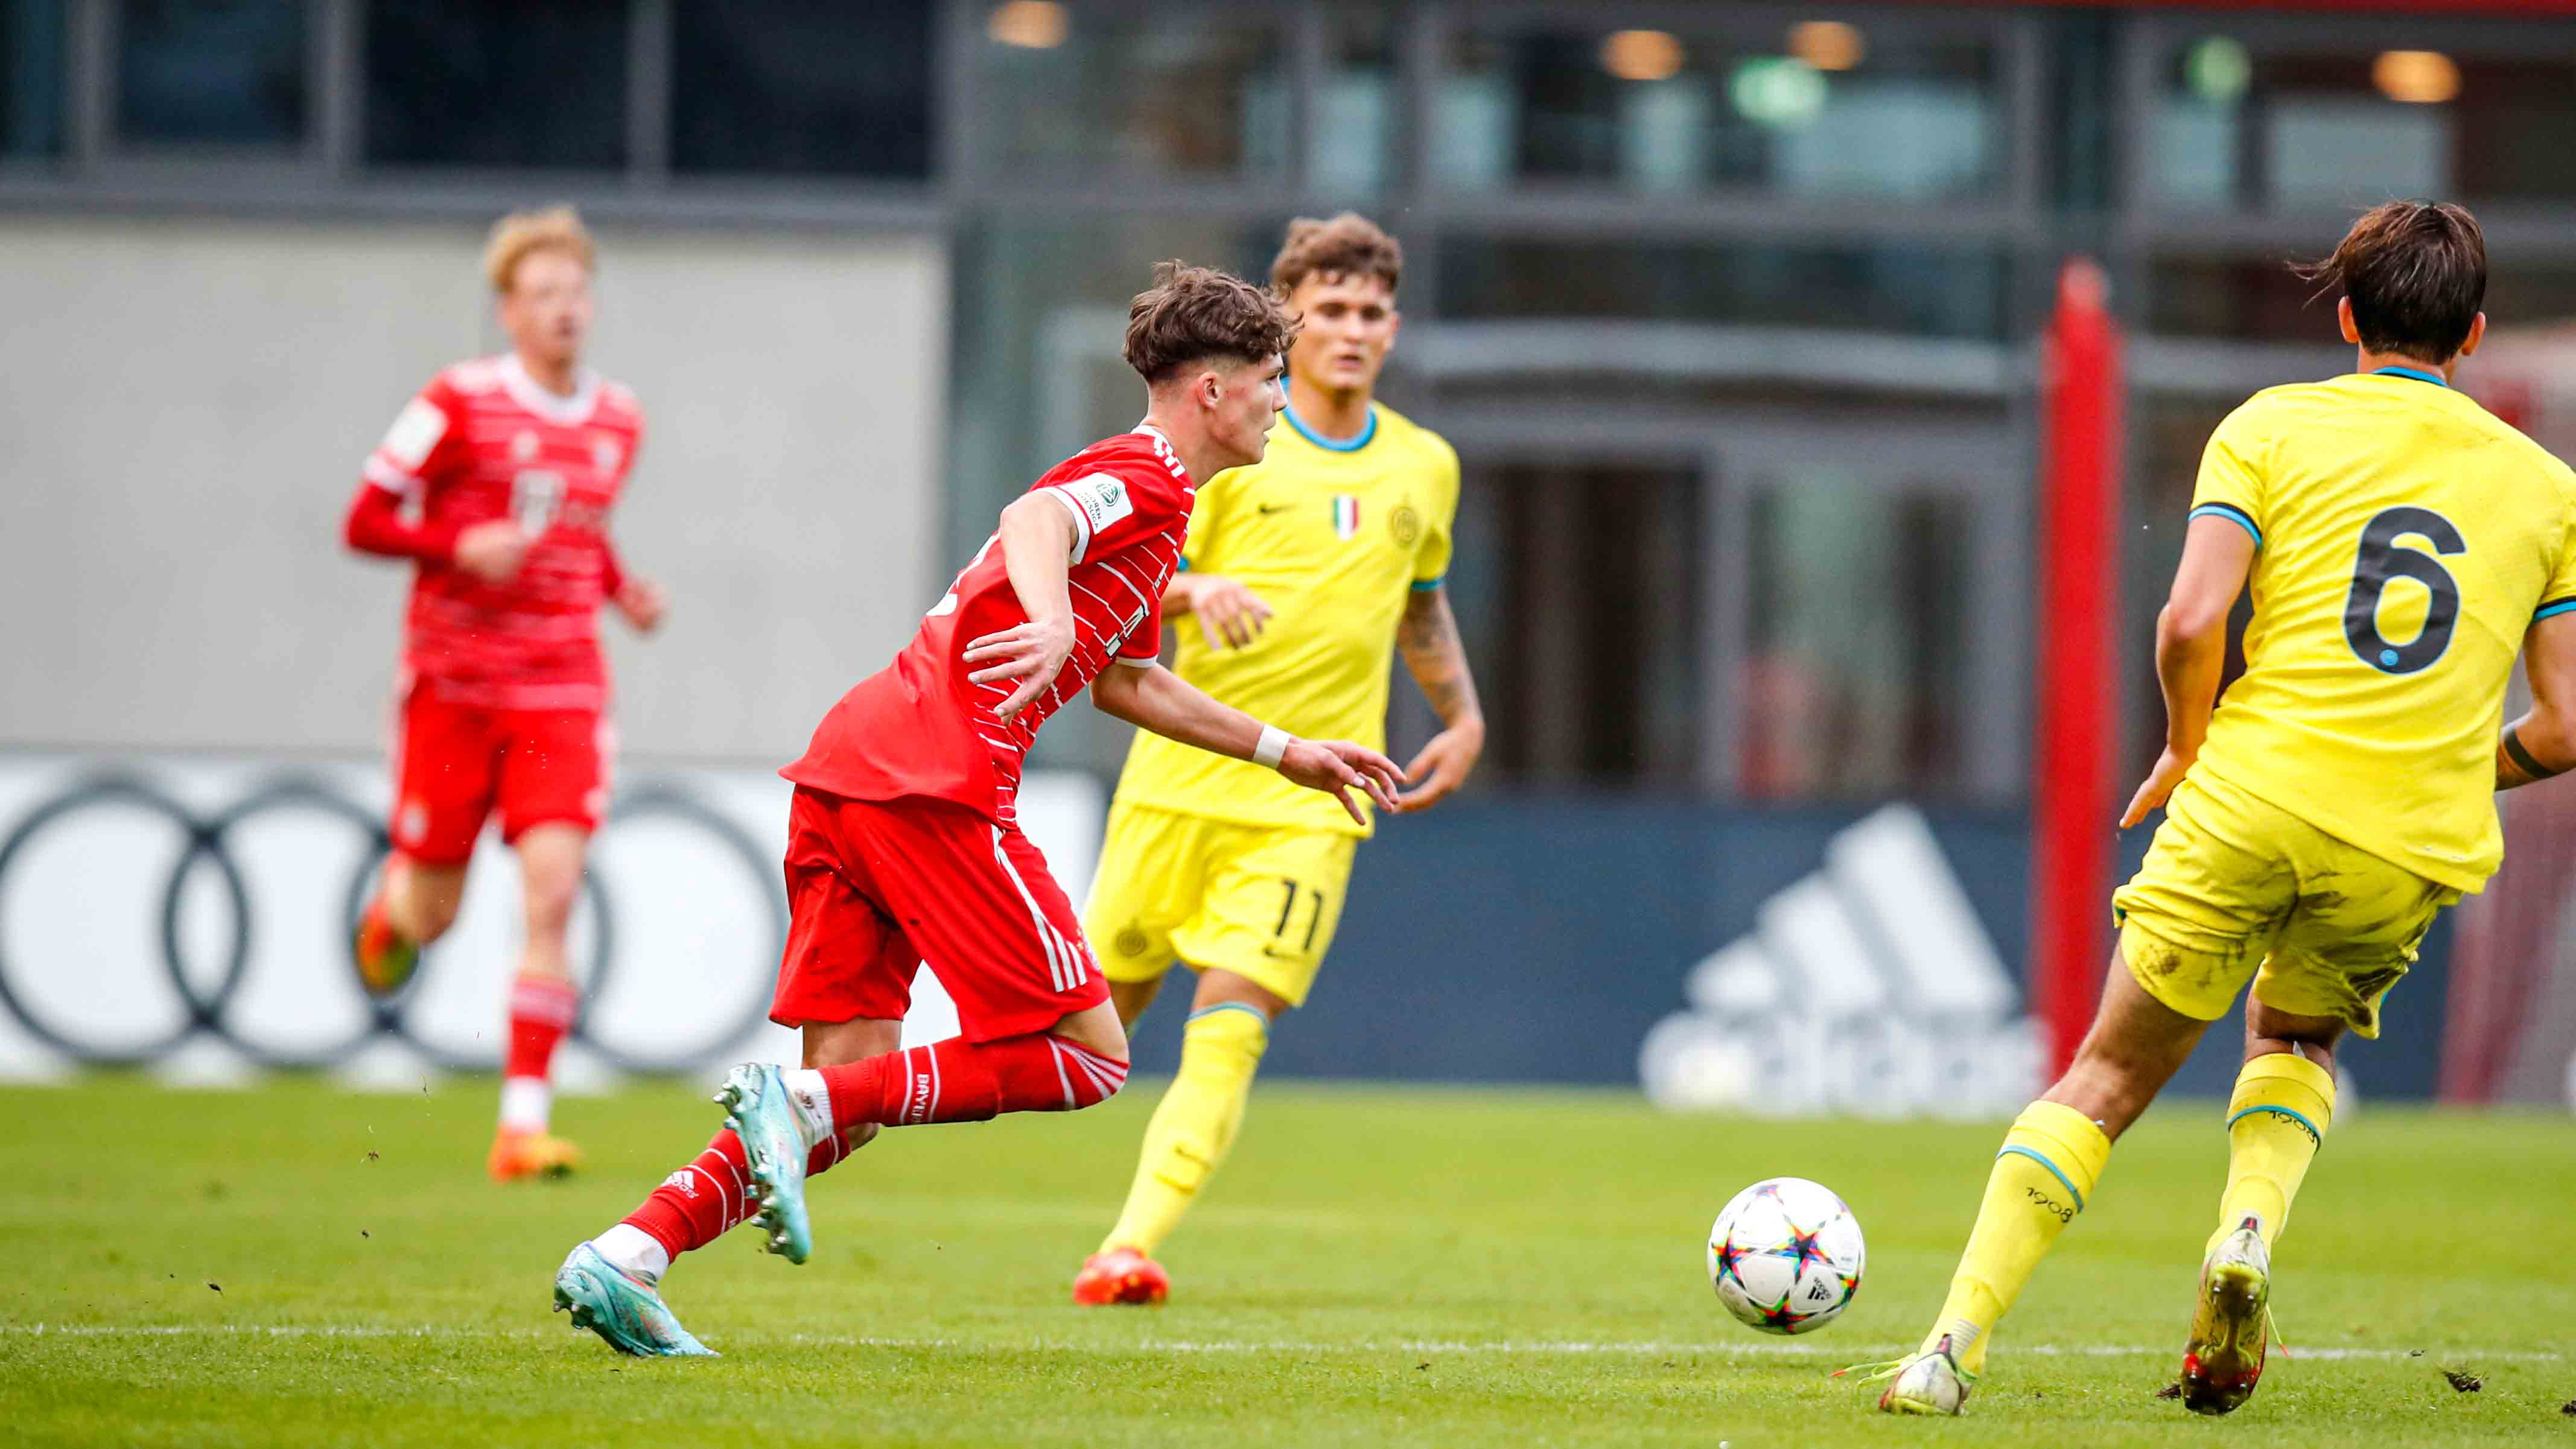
(2543, 742)
(1038, 539)
(1154, 698)
(2191, 650)
(1230, 615)
(640, 600)
(1437, 659)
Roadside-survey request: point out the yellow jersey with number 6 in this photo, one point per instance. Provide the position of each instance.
(2406, 539)
(1335, 536)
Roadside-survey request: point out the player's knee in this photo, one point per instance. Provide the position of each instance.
(550, 901)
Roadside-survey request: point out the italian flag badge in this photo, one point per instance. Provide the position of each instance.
(1346, 516)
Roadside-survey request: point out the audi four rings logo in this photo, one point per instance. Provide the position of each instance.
(206, 995)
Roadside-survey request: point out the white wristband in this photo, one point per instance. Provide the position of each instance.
(1274, 743)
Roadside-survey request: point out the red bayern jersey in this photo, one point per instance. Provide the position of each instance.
(485, 441)
(921, 727)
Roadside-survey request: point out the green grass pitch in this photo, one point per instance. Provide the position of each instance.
(292, 1265)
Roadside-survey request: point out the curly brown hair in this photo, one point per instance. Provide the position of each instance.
(1349, 245)
(2416, 272)
(1194, 313)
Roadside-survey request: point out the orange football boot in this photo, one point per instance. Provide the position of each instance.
(517, 1153)
(385, 957)
(1120, 1275)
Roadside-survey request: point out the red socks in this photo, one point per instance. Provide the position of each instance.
(961, 1081)
(541, 1011)
(951, 1081)
(712, 1195)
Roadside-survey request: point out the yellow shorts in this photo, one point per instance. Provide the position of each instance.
(2233, 881)
(1259, 901)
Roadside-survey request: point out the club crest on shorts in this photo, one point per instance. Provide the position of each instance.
(1346, 516)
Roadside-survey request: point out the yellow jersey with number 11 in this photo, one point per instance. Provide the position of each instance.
(2406, 539)
(1335, 536)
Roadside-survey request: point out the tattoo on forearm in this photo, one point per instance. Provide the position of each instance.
(1428, 635)
(2517, 765)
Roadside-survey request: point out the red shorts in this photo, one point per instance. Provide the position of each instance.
(455, 764)
(879, 888)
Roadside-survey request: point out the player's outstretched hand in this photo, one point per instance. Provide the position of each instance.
(1229, 615)
(643, 603)
(1338, 767)
(2158, 787)
(1443, 765)
(1031, 654)
(492, 550)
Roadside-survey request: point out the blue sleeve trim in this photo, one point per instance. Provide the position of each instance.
(2553, 607)
(1424, 586)
(2052, 1171)
(2232, 514)
(1184, 564)
(2284, 1112)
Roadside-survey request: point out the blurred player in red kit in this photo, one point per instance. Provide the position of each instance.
(497, 479)
(903, 842)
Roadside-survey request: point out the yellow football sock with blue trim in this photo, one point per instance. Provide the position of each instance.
(2042, 1178)
(2275, 1122)
(1195, 1124)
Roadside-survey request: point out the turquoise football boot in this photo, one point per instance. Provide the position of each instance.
(757, 1109)
(625, 1312)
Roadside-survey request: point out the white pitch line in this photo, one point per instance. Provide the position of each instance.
(1754, 1349)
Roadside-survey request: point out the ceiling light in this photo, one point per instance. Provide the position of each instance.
(2416, 77)
(1773, 90)
(1028, 24)
(2218, 70)
(1642, 55)
(1826, 44)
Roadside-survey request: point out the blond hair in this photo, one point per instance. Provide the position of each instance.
(1349, 245)
(554, 228)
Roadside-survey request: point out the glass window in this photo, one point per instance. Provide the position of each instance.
(229, 72)
(495, 83)
(1588, 678)
(1856, 675)
(1352, 144)
(33, 61)
(1880, 289)
(1191, 91)
(801, 88)
(2257, 297)
(2235, 126)
(1823, 109)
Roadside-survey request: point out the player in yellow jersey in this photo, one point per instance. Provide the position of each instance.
(2402, 544)
(1305, 572)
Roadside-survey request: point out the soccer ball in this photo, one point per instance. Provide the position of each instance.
(1786, 1256)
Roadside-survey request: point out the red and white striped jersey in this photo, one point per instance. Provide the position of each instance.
(920, 726)
(485, 441)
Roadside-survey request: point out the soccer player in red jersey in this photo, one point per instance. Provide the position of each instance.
(903, 842)
(510, 465)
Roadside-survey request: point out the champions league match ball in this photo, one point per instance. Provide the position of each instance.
(1786, 1256)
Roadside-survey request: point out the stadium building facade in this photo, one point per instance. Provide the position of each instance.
(1731, 311)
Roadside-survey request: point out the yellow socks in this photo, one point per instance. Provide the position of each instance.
(2050, 1160)
(2275, 1123)
(1195, 1124)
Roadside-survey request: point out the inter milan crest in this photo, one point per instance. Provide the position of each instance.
(1346, 516)
(1405, 524)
